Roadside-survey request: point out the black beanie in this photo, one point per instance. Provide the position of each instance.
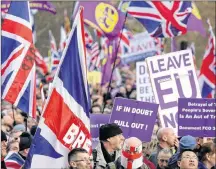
(109, 130)
(25, 141)
(3, 136)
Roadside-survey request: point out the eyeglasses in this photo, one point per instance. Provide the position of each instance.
(162, 161)
(85, 160)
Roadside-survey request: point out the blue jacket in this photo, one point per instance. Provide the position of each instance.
(173, 161)
(201, 166)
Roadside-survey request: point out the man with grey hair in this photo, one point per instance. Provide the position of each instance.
(108, 150)
(166, 139)
(163, 157)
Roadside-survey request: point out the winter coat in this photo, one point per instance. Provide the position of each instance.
(100, 162)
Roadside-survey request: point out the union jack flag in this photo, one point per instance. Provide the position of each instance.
(88, 39)
(159, 43)
(162, 18)
(65, 122)
(53, 46)
(63, 37)
(55, 57)
(18, 59)
(208, 68)
(94, 54)
(13, 160)
(125, 37)
(40, 63)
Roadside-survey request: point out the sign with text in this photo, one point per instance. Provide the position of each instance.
(172, 76)
(96, 121)
(143, 83)
(135, 118)
(141, 46)
(197, 117)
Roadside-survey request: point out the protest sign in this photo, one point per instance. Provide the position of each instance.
(135, 118)
(141, 47)
(96, 121)
(143, 83)
(94, 77)
(197, 117)
(172, 76)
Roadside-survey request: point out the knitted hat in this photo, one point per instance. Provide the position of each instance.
(25, 141)
(187, 142)
(109, 130)
(3, 136)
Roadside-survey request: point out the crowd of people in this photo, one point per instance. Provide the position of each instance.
(165, 151)
(116, 152)
(113, 151)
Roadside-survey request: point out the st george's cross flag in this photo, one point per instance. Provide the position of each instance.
(65, 122)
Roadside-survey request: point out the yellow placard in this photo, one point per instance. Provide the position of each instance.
(94, 77)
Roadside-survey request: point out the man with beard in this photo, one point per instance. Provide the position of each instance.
(108, 149)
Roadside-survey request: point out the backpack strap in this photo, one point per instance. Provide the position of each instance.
(94, 153)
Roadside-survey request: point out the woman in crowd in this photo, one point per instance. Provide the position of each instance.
(207, 156)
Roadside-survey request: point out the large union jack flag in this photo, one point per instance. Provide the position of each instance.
(208, 68)
(162, 19)
(18, 58)
(65, 122)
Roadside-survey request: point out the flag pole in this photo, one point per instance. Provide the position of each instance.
(14, 123)
(113, 68)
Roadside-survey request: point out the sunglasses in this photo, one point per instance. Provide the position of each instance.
(162, 161)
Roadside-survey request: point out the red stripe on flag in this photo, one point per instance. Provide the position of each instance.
(21, 76)
(59, 118)
(168, 14)
(18, 29)
(18, 53)
(34, 99)
(207, 61)
(56, 62)
(125, 39)
(13, 165)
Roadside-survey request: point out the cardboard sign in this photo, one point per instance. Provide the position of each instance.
(141, 46)
(197, 117)
(172, 76)
(143, 83)
(135, 118)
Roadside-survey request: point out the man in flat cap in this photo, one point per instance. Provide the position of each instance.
(108, 149)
